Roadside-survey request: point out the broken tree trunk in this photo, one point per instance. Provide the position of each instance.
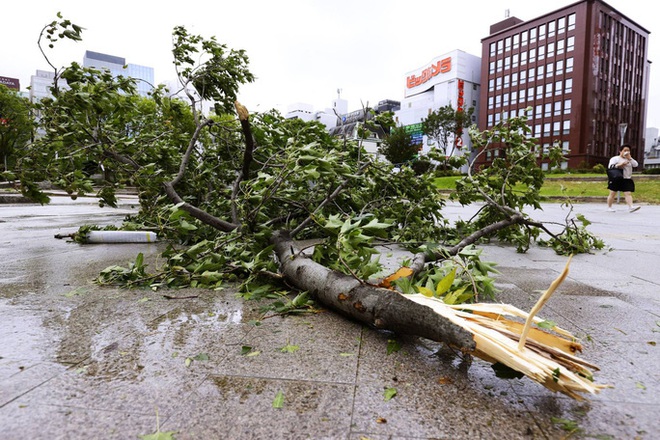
(483, 330)
(366, 303)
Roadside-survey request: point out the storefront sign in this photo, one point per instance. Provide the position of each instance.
(442, 66)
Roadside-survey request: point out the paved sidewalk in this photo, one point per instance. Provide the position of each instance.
(80, 361)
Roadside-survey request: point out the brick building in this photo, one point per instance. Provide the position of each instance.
(583, 72)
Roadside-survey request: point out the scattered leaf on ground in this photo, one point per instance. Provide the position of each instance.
(389, 393)
(289, 348)
(278, 402)
(168, 435)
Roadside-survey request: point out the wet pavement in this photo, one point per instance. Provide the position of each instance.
(82, 361)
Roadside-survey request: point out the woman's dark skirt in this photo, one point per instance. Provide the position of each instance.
(623, 185)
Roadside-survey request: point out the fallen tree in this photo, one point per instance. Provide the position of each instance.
(231, 191)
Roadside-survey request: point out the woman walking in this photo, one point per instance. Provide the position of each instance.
(626, 185)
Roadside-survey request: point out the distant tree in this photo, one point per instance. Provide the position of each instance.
(443, 126)
(397, 147)
(15, 125)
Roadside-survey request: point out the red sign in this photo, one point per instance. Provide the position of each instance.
(442, 66)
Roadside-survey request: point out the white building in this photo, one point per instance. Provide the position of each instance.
(449, 79)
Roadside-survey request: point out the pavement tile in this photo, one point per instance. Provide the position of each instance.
(237, 407)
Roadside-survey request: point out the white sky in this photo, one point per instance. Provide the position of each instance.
(299, 50)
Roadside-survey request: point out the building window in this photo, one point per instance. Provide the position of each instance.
(530, 94)
(498, 83)
(537, 131)
(523, 58)
(541, 52)
(491, 67)
(558, 87)
(523, 38)
(491, 102)
(500, 47)
(505, 101)
(515, 60)
(552, 28)
(497, 118)
(567, 127)
(507, 81)
(547, 112)
(561, 44)
(565, 148)
(546, 129)
(569, 65)
(532, 55)
(567, 107)
(523, 76)
(561, 25)
(551, 49)
(516, 41)
(491, 85)
(557, 110)
(531, 73)
(493, 49)
(538, 111)
(571, 22)
(498, 101)
(540, 71)
(507, 63)
(490, 120)
(507, 44)
(522, 95)
(499, 65)
(568, 87)
(514, 79)
(555, 128)
(542, 32)
(514, 98)
(549, 70)
(560, 67)
(532, 35)
(570, 44)
(548, 90)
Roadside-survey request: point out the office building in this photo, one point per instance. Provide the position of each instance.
(118, 67)
(582, 70)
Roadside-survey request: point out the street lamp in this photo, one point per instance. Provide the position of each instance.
(622, 129)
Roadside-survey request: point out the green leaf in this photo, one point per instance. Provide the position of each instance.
(393, 346)
(289, 348)
(549, 325)
(278, 402)
(168, 435)
(445, 283)
(389, 393)
(201, 357)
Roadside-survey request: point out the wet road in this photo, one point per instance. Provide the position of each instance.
(81, 361)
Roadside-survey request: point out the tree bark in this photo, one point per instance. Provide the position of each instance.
(366, 303)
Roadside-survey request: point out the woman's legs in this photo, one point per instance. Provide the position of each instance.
(628, 196)
(610, 198)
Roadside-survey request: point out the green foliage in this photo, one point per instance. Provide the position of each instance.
(397, 147)
(575, 239)
(456, 280)
(442, 127)
(16, 127)
(349, 248)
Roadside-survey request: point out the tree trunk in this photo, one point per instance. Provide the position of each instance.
(366, 303)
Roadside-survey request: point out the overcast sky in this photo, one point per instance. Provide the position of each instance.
(299, 50)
